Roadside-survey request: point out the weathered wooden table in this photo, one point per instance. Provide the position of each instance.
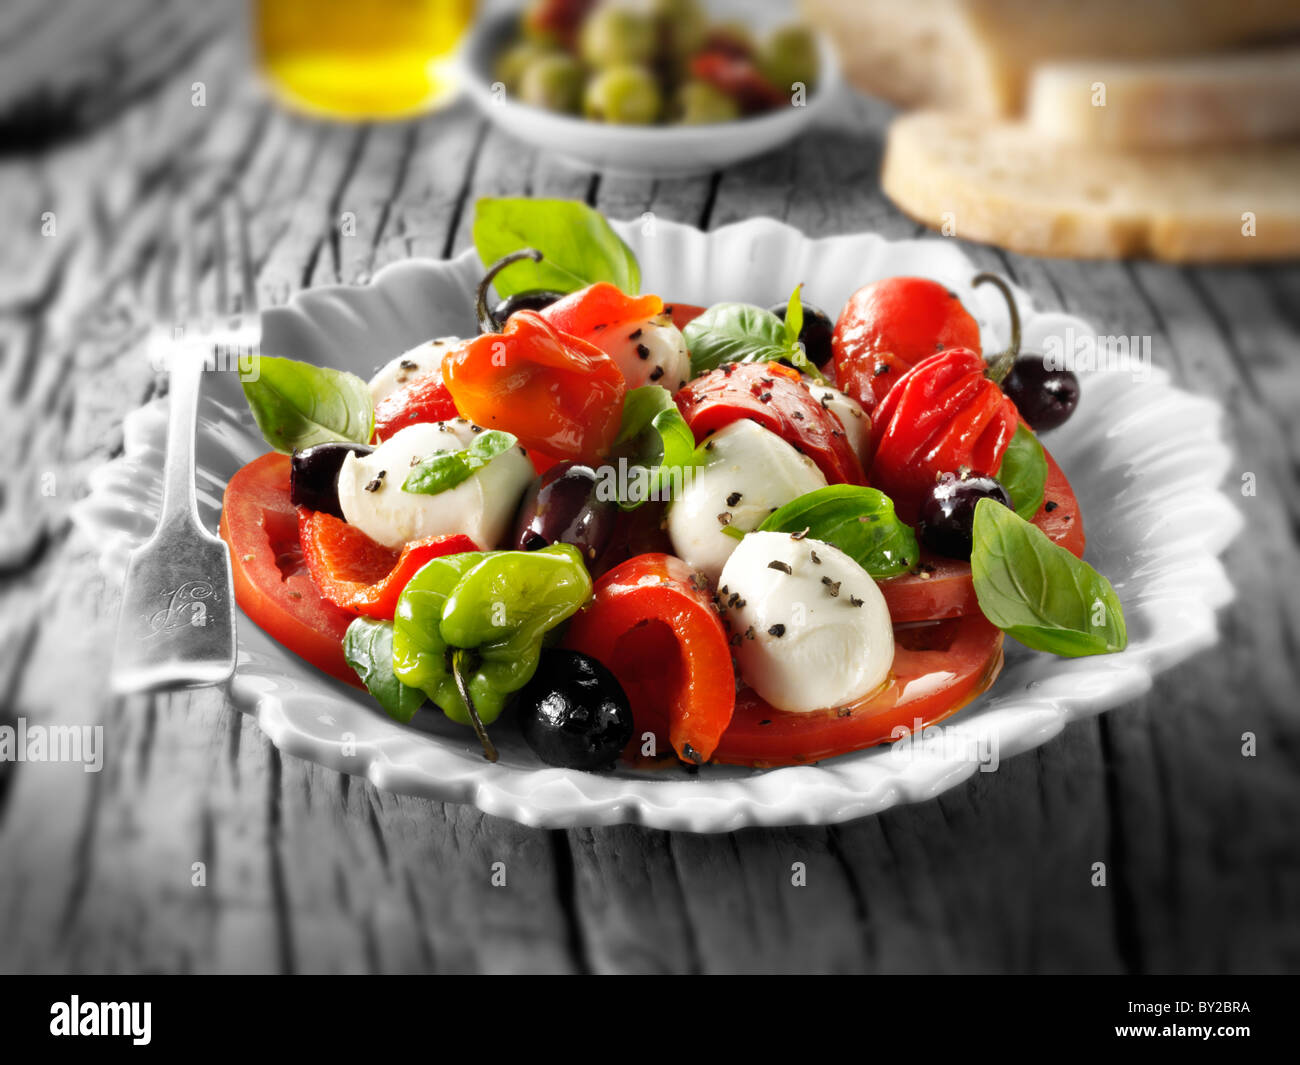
(109, 112)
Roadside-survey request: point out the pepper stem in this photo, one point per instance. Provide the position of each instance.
(487, 322)
(1002, 364)
(460, 669)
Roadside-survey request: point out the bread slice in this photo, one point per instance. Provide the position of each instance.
(1003, 183)
(1233, 98)
(977, 55)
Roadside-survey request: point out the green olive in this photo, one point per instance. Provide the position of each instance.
(512, 63)
(553, 82)
(699, 103)
(613, 36)
(682, 26)
(625, 94)
(789, 55)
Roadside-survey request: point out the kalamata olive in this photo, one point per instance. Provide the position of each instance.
(314, 475)
(948, 512)
(562, 508)
(815, 334)
(535, 299)
(1045, 398)
(574, 713)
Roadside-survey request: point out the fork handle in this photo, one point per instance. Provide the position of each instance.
(185, 371)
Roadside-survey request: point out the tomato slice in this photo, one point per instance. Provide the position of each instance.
(425, 399)
(272, 583)
(778, 398)
(938, 668)
(354, 572)
(657, 631)
(683, 314)
(942, 587)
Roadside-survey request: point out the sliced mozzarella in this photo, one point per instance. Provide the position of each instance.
(482, 506)
(749, 471)
(814, 638)
(849, 412)
(652, 352)
(410, 366)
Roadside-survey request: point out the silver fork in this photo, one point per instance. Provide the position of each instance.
(177, 626)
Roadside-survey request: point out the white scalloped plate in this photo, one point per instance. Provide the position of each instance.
(1144, 458)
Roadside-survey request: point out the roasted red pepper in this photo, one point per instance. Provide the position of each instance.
(558, 394)
(423, 400)
(594, 312)
(352, 571)
(945, 413)
(777, 397)
(652, 622)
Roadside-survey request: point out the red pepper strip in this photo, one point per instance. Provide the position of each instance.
(354, 572)
(422, 400)
(943, 414)
(595, 312)
(683, 314)
(558, 394)
(776, 397)
(652, 622)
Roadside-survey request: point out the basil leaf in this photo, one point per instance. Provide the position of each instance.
(653, 437)
(447, 469)
(297, 405)
(578, 246)
(859, 521)
(734, 332)
(368, 648)
(794, 316)
(1023, 472)
(741, 332)
(1038, 592)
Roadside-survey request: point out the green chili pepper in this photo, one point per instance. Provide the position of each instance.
(469, 628)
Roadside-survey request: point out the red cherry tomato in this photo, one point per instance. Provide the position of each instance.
(888, 326)
(558, 394)
(425, 399)
(354, 572)
(652, 622)
(942, 588)
(272, 582)
(938, 668)
(778, 398)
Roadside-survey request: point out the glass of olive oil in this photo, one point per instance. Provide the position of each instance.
(361, 60)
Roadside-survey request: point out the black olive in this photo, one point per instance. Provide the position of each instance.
(948, 512)
(562, 508)
(314, 475)
(815, 334)
(1045, 398)
(574, 713)
(535, 299)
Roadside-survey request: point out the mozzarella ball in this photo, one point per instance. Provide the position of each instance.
(652, 352)
(749, 471)
(816, 637)
(850, 414)
(420, 361)
(482, 506)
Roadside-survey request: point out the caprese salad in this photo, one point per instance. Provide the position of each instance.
(668, 533)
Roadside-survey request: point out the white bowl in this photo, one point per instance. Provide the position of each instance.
(657, 151)
(1144, 459)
